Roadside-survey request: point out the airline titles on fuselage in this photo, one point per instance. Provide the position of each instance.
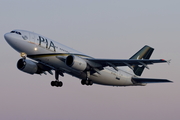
(48, 44)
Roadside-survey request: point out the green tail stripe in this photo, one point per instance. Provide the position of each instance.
(144, 53)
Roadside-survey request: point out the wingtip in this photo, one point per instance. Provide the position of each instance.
(168, 61)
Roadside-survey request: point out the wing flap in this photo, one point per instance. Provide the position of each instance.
(149, 80)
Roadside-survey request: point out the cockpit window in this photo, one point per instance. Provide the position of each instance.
(13, 32)
(16, 32)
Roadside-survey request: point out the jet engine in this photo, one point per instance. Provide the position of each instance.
(76, 63)
(28, 66)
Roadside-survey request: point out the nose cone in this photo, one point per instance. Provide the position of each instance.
(8, 37)
(12, 40)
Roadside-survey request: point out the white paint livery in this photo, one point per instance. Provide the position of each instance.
(48, 55)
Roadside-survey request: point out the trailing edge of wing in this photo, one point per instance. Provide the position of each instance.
(149, 80)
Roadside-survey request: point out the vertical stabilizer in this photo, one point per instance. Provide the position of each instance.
(143, 53)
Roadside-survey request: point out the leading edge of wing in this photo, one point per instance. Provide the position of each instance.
(150, 80)
(124, 62)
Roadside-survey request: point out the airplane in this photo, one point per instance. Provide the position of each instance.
(46, 55)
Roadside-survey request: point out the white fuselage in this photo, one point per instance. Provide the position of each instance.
(32, 44)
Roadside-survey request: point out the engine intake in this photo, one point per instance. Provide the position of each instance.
(76, 63)
(27, 66)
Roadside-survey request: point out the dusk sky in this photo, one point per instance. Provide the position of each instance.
(113, 29)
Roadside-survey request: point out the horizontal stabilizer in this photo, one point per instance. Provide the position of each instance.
(149, 80)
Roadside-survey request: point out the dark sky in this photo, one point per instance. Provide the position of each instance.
(102, 29)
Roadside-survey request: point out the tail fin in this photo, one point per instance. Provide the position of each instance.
(143, 53)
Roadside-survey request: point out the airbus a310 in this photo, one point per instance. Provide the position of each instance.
(46, 55)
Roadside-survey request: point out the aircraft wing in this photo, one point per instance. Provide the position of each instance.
(126, 62)
(149, 80)
(100, 63)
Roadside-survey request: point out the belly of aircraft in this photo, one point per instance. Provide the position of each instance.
(106, 78)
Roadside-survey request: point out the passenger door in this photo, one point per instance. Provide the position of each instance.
(32, 38)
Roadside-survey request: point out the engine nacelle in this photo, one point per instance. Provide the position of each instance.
(76, 63)
(27, 66)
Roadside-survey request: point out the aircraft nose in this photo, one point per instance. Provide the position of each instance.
(11, 39)
(8, 37)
